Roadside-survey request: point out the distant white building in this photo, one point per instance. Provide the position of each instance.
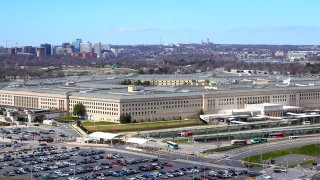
(97, 49)
(106, 47)
(297, 55)
(86, 47)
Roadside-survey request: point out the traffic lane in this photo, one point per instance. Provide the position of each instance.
(272, 143)
(63, 128)
(264, 149)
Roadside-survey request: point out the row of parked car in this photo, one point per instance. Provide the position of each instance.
(94, 168)
(48, 162)
(40, 159)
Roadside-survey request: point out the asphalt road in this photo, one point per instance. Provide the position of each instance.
(240, 153)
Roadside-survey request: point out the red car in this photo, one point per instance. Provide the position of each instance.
(119, 163)
(167, 164)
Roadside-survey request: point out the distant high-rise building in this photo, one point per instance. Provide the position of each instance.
(41, 51)
(64, 45)
(61, 51)
(97, 49)
(47, 47)
(86, 47)
(2, 49)
(11, 50)
(26, 49)
(106, 47)
(77, 45)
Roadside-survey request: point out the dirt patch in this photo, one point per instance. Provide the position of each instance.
(292, 159)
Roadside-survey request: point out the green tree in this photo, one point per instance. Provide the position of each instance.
(125, 118)
(79, 110)
(137, 82)
(141, 71)
(200, 112)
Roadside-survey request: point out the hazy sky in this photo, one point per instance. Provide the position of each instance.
(31, 22)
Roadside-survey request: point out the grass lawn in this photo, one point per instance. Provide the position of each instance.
(179, 140)
(91, 123)
(144, 126)
(67, 118)
(302, 163)
(309, 150)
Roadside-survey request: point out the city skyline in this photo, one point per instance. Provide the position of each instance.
(142, 22)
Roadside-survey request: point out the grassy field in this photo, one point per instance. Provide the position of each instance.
(302, 163)
(179, 140)
(67, 118)
(92, 123)
(140, 126)
(309, 150)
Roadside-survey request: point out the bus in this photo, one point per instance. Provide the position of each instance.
(236, 142)
(238, 122)
(276, 135)
(258, 140)
(172, 145)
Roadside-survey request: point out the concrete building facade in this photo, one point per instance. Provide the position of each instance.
(149, 107)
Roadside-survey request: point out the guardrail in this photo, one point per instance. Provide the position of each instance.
(81, 130)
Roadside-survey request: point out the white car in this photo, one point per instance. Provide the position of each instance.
(101, 177)
(267, 178)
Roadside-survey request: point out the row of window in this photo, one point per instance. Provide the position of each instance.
(140, 113)
(49, 103)
(94, 103)
(102, 112)
(29, 102)
(309, 96)
(160, 103)
(5, 95)
(5, 103)
(161, 107)
(50, 100)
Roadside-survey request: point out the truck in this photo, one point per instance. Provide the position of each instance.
(49, 122)
(46, 139)
(185, 134)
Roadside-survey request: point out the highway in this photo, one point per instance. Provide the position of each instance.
(264, 130)
(235, 156)
(241, 153)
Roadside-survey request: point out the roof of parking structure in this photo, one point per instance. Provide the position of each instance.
(103, 135)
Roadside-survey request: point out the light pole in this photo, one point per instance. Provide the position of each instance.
(31, 171)
(204, 170)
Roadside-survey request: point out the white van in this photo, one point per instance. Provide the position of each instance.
(306, 123)
(293, 137)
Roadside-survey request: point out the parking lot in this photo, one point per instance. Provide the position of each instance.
(23, 157)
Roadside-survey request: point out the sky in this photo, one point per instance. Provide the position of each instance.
(32, 22)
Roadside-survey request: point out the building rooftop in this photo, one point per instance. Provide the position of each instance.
(104, 86)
